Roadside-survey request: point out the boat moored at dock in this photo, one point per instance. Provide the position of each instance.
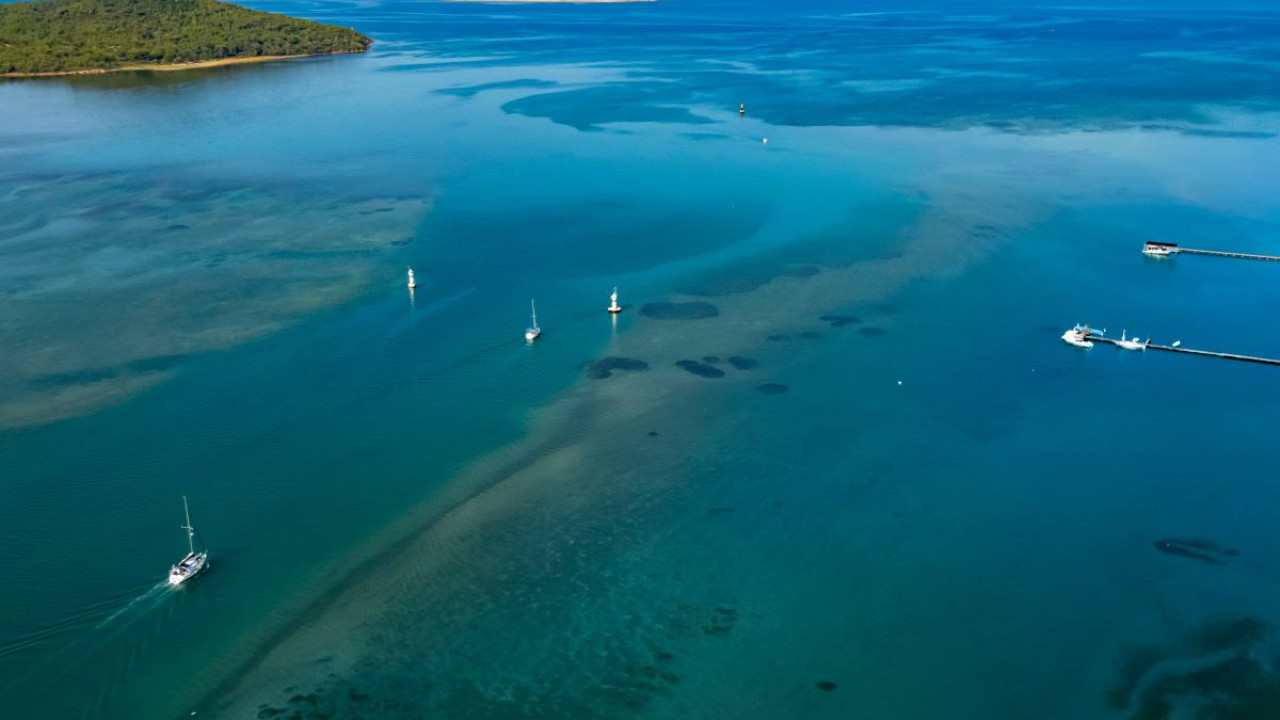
(1078, 336)
(1084, 337)
(1127, 343)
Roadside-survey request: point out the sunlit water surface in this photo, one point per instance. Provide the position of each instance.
(886, 489)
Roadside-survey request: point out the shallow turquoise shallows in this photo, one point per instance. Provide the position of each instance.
(837, 462)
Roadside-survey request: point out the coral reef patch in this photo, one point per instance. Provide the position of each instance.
(1202, 550)
(840, 320)
(679, 311)
(1223, 670)
(722, 621)
(605, 367)
(700, 369)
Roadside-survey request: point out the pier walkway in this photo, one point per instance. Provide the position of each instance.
(1164, 249)
(1189, 351)
(1220, 253)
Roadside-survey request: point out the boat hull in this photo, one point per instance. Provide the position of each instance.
(187, 568)
(1075, 339)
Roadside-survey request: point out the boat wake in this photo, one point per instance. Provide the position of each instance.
(84, 637)
(77, 622)
(138, 607)
(82, 632)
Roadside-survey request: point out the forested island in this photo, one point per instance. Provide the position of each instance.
(60, 37)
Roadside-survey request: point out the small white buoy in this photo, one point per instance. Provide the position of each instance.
(899, 382)
(412, 283)
(765, 141)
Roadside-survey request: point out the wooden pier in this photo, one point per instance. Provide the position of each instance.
(1161, 249)
(1220, 253)
(1189, 351)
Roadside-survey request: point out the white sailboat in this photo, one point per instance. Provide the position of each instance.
(1126, 343)
(533, 331)
(412, 283)
(614, 307)
(195, 562)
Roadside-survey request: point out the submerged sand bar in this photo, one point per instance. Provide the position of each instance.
(430, 579)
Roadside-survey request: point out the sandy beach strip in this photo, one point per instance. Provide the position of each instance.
(170, 67)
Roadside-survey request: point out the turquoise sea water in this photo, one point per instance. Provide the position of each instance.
(411, 512)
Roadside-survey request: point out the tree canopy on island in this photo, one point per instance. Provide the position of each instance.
(54, 36)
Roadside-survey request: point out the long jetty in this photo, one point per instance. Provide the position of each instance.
(1220, 253)
(1153, 247)
(1189, 351)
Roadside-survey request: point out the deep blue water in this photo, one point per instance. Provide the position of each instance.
(411, 512)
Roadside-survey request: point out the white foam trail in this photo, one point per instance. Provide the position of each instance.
(144, 602)
(79, 641)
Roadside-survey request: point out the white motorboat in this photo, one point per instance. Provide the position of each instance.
(195, 562)
(532, 332)
(614, 307)
(1078, 336)
(1127, 343)
(412, 283)
(1159, 249)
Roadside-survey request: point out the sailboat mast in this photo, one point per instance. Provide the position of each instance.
(191, 533)
(533, 309)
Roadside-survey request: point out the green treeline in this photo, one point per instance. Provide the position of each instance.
(68, 35)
